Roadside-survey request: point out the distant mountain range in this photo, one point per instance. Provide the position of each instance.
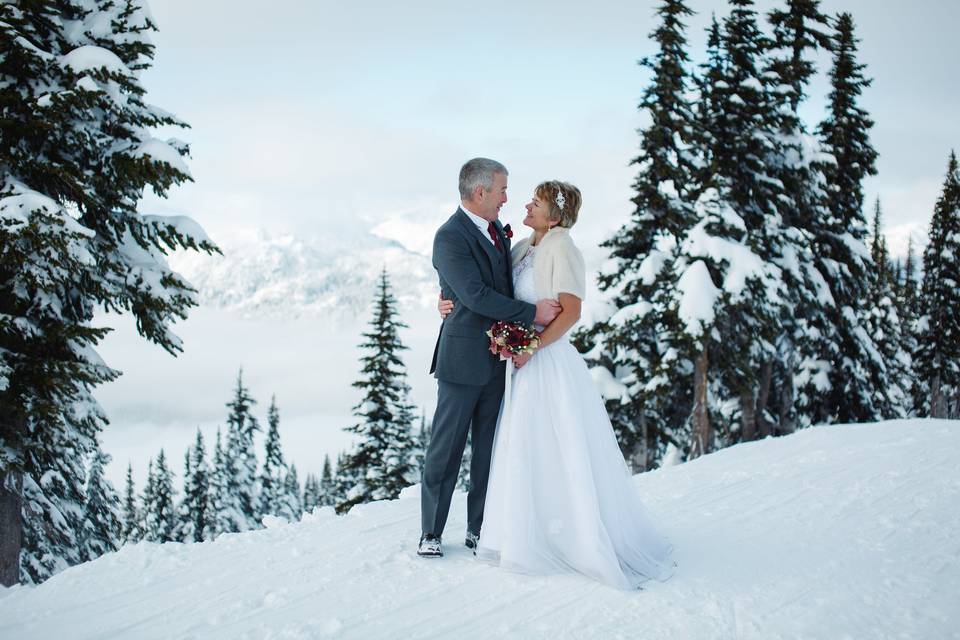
(336, 276)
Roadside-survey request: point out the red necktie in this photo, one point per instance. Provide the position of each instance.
(492, 230)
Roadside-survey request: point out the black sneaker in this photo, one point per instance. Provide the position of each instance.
(430, 546)
(471, 540)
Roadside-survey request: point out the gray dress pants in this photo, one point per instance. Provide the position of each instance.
(459, 407)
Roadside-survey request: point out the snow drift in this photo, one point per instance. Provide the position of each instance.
(846, 531)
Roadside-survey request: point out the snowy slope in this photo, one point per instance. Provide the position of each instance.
(834, 532)
(261, 274)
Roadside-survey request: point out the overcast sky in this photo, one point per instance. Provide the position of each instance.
(307, 115)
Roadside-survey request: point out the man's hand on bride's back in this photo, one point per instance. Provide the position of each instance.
(547, 310)
(445, 307)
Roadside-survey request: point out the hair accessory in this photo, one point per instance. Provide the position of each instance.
(560, 200)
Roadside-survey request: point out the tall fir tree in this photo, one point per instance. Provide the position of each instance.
(52, 509)
(796, 161)
(327, 484)
(240, 498)
(908, 301)
(102, 528)
(842, 372)
(225, 515)
(274, 472)
(76, 159)
(131, 514)
(423, 441)
(798, 29)
(146, 499)
(938, 329)
(311, 493)
(651, 379)
(290, 502)
(884, 326)
(182, 508)
(382, 462)
(194, 510)
(730, 258)
(160, 513)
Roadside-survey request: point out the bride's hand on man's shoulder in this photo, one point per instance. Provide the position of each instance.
(445, 307)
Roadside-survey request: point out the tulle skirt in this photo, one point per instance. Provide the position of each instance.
(560, 497)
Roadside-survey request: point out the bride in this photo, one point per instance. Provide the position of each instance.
(560, 497)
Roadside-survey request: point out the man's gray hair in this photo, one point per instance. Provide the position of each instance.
(478, 173)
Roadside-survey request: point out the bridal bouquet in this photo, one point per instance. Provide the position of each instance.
(508, 339)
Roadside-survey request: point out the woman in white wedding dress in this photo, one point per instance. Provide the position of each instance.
(560, 497)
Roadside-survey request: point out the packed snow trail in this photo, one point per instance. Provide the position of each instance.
(849, 531)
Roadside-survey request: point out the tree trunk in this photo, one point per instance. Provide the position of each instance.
(748, 417)
(640, 460)
(766, 378)
(938, 407)
(786, 404)
(700, 419)
(11, 527)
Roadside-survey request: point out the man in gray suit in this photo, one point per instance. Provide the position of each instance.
(471, 253)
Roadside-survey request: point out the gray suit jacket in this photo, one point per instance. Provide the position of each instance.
(478, 278)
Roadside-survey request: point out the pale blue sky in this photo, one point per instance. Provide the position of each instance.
(307, 114)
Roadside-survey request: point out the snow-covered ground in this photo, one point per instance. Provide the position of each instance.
(848, 531)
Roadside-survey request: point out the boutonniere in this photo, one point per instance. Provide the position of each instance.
(507, 231)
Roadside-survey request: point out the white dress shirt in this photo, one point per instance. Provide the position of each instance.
(480, 222)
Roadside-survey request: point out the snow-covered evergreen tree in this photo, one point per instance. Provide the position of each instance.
(147, 498)
(327, 484)
(52, 508)
(131, 515)
(799, 27)
(729, 292)
(423, 441)
(311, 493)
(76, 159)
(102, 527)
(159, 511)
(884, 326)
(183, 510)
(241, 460)
(274, 473)
(796, 162)
(290, 503)
(649, 380)
(194, 508)
(224, 514)
(908, 305)
(842, 372)
(382, 462)
(938, 329)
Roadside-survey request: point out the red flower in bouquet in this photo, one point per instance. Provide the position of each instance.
(508, 339)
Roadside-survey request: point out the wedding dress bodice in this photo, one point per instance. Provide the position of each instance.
(523, 285)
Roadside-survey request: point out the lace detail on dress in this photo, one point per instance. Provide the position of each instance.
(523, 282)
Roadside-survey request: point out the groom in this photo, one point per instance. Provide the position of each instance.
(471, 253)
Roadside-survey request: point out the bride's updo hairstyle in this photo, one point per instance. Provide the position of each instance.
(563, 199)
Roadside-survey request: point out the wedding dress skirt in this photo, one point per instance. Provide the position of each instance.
(560, 497)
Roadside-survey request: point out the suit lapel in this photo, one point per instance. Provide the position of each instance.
(484, 241)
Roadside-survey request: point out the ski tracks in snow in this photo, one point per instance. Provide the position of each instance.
(848, 531)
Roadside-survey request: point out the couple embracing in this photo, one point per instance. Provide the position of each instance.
(549, 489)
